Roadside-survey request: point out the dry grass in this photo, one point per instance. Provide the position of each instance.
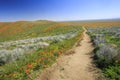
(96, 23)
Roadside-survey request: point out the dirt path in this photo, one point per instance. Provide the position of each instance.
(76, 66)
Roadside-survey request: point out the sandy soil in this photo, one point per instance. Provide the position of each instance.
(76, 66)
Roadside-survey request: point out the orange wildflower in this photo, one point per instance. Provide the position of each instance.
(27, 71)
(29, 65)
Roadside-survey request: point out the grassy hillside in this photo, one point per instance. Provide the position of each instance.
(27, 29)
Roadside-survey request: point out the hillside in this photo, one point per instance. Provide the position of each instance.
(29, 29)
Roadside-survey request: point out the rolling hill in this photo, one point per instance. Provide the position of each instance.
(29, 29)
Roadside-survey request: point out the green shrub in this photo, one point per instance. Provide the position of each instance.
(113, 72)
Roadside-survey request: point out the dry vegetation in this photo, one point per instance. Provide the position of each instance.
(26, 47)
(95, 23)
(107, 50)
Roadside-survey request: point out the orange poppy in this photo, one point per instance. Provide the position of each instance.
(29, 65)
(27, 71)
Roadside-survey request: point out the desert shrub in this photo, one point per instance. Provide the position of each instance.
(107, 50)
(106, 56)
(29, 45)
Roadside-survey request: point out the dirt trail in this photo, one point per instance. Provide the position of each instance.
(75, 66)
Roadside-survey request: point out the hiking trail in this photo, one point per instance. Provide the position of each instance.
(76, 66)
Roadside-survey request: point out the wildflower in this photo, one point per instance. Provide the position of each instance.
(29, 65)
(27, 71)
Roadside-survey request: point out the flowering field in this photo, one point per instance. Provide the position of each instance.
(96, 23)
(26, 48)
(28, 29)
(107, 50)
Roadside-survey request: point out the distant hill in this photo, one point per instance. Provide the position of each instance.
(28, 29)
(96, 23)
(22, 29)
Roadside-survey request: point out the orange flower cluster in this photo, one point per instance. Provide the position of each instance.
(20, 28)
(52, 27)
(4, 28)
(27, 71)
(28, 68)
(29, 65)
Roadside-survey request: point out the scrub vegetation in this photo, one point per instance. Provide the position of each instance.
(107, 50)
(26, 48)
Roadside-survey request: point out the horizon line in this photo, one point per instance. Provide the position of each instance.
(82, 20)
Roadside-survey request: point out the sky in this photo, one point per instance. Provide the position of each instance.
(58, 10)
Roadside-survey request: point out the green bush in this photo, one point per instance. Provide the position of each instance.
(113, 72)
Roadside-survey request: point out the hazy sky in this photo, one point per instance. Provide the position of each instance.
(58, 10)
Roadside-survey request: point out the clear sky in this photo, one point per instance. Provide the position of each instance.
(58, 10)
